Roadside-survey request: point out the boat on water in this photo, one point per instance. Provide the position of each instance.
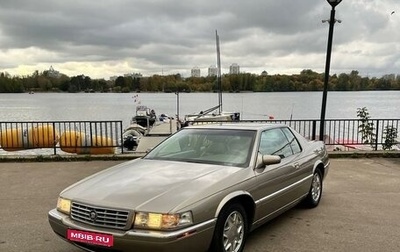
(144, 117)
(146, 129)
(210, 115)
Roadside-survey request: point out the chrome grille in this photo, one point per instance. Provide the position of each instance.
(101, 217)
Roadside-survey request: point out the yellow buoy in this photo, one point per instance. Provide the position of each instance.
(102, 145)
(78, 142)
(43, 137)
(13, 140)
(71, 140)
(16, 139)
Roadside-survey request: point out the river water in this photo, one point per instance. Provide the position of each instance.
(121, 106)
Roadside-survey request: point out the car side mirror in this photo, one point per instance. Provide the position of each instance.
(264, 160)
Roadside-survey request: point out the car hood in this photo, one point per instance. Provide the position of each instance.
(152, 185)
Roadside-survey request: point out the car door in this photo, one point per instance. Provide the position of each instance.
(275, 183)
(303, 164)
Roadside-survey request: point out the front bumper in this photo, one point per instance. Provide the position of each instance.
(194, 238)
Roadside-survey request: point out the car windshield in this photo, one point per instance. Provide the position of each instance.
(211, 146)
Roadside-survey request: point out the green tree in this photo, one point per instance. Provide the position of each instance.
(343, 82)
(119, 82)
(136, 84)
(354, 81)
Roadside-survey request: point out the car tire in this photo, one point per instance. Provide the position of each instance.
(231, 229)
(315, 193)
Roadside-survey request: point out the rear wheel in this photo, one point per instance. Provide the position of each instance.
(314, 195)
(231, 230)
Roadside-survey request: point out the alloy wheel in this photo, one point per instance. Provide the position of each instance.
(316, 187)
(233, 234)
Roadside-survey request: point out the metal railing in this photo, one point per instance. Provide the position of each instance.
(106, 137)
(340, 134)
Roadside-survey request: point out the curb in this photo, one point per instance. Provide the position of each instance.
(67, 158)
(130, 156)
(364, 154)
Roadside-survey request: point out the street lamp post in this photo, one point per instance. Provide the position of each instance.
(177, 104)
(178, 121)
(332, 20)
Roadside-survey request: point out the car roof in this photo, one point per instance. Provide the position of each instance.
(238, 125)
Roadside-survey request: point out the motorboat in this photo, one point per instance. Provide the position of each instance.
(146, 130)
(145, 116)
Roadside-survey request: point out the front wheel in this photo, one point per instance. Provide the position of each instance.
(314, 195)
(231, 230)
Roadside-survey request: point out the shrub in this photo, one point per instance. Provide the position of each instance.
(390, 135)
(366, 127)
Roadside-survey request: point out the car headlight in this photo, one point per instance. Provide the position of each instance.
(64, 205)
(160, 221)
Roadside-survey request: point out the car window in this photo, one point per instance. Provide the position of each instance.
(274, 142)
(212, 146)
(294, 144)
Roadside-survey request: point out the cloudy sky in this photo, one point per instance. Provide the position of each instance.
(105, 38)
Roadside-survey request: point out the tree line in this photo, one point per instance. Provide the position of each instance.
(307, 80)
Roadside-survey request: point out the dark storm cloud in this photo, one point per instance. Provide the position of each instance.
(54, 24)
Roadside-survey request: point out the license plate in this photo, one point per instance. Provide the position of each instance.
(90, 237)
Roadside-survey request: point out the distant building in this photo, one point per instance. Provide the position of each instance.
(264, 73)
(53, 73)
(212, 71)
(234, 69)
(195, 72)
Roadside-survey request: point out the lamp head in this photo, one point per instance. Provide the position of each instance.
(333, 3)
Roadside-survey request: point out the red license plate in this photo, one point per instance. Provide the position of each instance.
(90, 237)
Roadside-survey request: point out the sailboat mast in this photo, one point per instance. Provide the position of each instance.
(219, 84)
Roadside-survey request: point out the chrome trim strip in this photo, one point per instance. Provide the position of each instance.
(288, 204)
(283, 189)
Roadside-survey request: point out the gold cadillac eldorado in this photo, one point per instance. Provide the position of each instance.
(202, 189)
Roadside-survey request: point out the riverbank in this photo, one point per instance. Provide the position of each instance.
(130, 156)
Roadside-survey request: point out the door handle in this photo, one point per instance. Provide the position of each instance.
(296, 165)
